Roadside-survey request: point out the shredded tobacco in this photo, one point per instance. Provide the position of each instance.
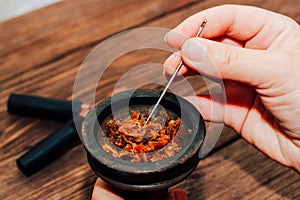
(136, 143)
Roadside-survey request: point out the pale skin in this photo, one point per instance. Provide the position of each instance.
(256, 54)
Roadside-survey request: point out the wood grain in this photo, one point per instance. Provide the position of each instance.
(41, 53)
(240, 171)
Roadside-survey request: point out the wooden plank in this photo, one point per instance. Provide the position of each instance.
(240, 171)
(49, 34)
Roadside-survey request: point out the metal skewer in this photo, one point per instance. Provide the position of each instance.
(172, 77)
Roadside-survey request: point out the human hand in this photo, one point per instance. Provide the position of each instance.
(256, 54)
(102, 191)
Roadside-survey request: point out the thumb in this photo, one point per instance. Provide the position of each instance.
(218, 60)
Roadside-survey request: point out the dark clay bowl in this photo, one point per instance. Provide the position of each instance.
(147, 180)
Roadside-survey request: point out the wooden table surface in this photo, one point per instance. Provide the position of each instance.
(40, 53)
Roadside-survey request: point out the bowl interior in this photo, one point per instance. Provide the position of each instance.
(108, 166)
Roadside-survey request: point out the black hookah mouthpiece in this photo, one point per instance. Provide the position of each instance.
(49, 149)
(44, 108)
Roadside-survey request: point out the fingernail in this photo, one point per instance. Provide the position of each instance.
(168, 69)
(170, 35)
(165, 37)
(170, 63)
(174, 39)
(194, 52)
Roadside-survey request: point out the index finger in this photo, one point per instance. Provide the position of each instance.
(252, 25)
